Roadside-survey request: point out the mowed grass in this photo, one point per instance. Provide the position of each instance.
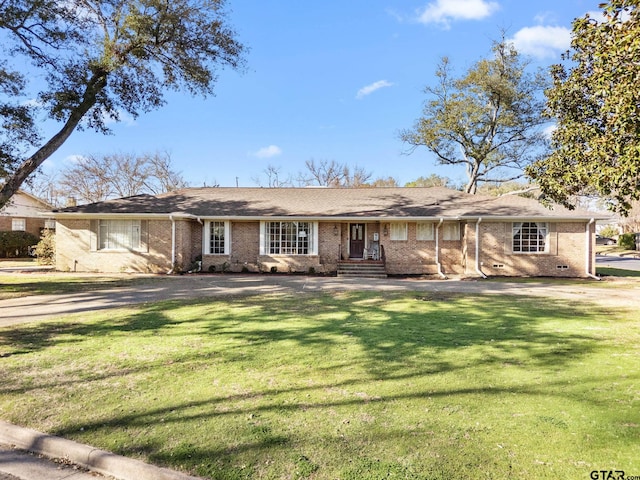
(351, 386)
(25, 284)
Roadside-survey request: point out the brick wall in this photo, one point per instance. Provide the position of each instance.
(418, 257)
(566, 256)
(33, 225)
(75, 252)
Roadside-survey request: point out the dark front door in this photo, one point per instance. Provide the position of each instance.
(356, 240)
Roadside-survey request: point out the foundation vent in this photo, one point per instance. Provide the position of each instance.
(562, 267)
(498, 265)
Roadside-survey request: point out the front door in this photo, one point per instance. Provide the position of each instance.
(356, 240)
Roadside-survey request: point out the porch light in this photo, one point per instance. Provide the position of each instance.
(335, 230)
(385, 230)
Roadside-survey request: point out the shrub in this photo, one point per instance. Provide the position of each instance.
(16, 244)
(609, 231)
(46, 248)
(627, 241)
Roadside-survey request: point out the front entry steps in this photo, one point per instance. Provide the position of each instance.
(362, 268)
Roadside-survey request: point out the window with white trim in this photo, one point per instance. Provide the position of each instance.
(530, 237)
(398, 231)
(18, 224)
(119, 235)
(216, 238)
(450, 231)
(425, 231)
(288, 238)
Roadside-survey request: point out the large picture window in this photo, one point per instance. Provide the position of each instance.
(119, 235)
(530, 237)
(288, 238)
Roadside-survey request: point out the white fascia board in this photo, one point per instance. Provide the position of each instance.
(159, 216)
(326, 219)
(490, 218)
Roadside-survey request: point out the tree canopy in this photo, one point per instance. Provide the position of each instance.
(99, 58)
(488, 120)
(596, 103)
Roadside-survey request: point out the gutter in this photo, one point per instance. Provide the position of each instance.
(438, 264)
(587, 254)
(478, 270)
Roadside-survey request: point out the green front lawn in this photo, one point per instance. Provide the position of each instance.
(24, 284)
(355, 386)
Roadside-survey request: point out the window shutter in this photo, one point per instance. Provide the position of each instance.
(93, 235)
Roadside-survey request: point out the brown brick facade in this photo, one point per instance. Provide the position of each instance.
(33, 225)
(566, 256)
(567, 250)
(76, 249)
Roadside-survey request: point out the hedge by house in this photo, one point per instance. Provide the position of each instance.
(16, 244)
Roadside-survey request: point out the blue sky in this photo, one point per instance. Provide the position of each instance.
(332, 80)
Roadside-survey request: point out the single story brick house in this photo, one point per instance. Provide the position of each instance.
(410, 231)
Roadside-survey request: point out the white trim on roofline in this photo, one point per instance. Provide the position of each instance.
(341, 218)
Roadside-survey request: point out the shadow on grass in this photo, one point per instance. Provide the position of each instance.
(25, 286)
(385, 338)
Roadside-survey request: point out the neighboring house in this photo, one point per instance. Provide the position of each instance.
(410, 231)
(24, 213)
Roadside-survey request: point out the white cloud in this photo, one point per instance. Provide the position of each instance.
(541, 41)
(444, 11)
(268, 152)
(123, 118)
(369, 89)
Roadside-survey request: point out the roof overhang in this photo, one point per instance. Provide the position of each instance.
(317, 218)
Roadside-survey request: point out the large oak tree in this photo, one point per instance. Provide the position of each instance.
(489, 120)
(596, 102)
(99, 58)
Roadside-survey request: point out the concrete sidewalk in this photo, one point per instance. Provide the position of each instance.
(75, 461)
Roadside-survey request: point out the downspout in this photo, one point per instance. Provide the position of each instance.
(438, 264)
(480, 272)
(202, 245)
(173, 244)
(587, 254)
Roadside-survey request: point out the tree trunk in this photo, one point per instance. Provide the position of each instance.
(13, 183)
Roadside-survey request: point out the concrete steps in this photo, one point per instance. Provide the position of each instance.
(363, 269)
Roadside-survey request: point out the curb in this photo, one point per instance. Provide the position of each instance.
(100, 461)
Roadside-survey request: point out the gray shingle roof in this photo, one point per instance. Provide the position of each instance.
(326, 203)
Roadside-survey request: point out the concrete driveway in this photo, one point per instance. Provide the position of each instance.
(43, 307)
